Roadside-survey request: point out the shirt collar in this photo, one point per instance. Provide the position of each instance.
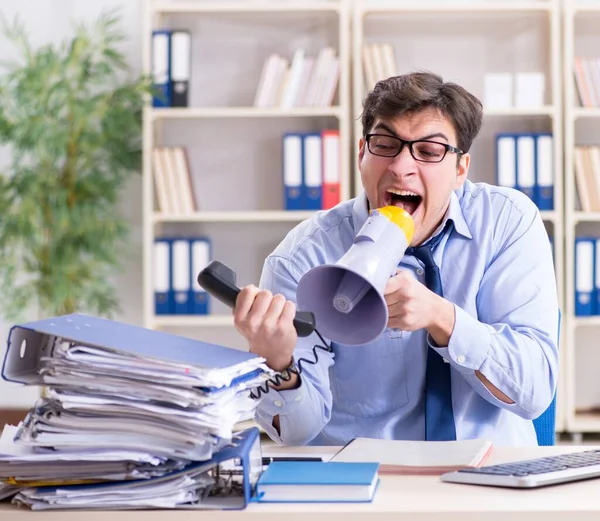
(360, 215)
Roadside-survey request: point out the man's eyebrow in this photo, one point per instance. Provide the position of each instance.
(387, 128)
(436, 134)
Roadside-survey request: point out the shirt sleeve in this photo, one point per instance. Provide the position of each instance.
(304, 411)
(514, 340)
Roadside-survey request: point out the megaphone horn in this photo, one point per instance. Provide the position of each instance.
(346, 298)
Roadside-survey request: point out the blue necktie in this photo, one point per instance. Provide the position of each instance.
(439, 418)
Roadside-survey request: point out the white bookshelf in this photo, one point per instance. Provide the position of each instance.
(242, 112)
(518, 112)
(260, 6)
(425, 34)
(441, 6)
(511, 36)
(234, 217)
(581, 38)
(241, 210)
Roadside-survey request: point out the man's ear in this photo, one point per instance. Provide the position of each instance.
(462, 170)
(361, 149)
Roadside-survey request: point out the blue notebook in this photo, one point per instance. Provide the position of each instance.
(317, 481)
(28, 342)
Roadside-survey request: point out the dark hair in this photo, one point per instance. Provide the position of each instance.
(416, 91)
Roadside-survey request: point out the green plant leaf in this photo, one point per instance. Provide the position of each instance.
(72, 120)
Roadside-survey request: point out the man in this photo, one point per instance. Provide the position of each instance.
(494, 330)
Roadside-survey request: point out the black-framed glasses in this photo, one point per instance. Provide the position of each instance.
(422, 150)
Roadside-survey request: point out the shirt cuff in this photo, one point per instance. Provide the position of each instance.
(283, 402)
(469, 344)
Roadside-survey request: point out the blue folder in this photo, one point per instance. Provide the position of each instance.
(32, 340)
(243, 464)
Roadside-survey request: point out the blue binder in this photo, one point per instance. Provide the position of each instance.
(544, 171)
(584, 276)
(506, 160)
(161, 69)
(181, 276)
(162, 260)
(236, 479)
(525, 144)
(312, 170)
(200, 257)
(293, 172)
(31, 340)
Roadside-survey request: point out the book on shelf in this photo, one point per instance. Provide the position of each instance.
(173, 181)
(379, 63)
(587, 81)
(587, 177)
(306, 81)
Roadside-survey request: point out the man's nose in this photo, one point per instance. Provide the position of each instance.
(404, 163)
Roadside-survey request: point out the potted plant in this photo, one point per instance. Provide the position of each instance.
(71, 116)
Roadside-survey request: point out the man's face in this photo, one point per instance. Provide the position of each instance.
(423, 189)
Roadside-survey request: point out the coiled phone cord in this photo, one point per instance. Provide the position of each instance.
(277, 380)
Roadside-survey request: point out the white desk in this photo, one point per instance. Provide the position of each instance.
(399, 498)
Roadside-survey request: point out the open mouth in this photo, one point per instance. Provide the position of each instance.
(405, 199)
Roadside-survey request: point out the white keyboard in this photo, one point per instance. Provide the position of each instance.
(532, 473)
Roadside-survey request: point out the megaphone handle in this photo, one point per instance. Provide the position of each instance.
(220, 281)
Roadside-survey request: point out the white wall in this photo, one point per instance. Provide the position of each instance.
(50, 21)
(233, 51)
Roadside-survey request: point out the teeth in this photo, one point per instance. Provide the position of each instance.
(401, 192)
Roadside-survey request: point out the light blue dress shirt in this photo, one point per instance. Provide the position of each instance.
(496, 268)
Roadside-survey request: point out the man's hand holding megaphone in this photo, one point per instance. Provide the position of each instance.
(350, 299)
(411, 306)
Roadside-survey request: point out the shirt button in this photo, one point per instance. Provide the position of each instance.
(420, 271)
(277, 403)
(461, 359)
(298, 399)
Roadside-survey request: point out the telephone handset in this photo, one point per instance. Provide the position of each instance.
(220, 281)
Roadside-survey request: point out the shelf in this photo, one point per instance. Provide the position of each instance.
(241, 112)
(547, 110)
(590, 217)
(452, 7)
(585, 422)
(548, 216)
(235, 217)
(193, 320)
(272, 6)
(585, 112)
(586, 8)
(591, 321)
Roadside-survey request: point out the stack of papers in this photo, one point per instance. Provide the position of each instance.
(224, 482)
(7, 491)
(416, 457)
(187, 487)
(139, 405)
